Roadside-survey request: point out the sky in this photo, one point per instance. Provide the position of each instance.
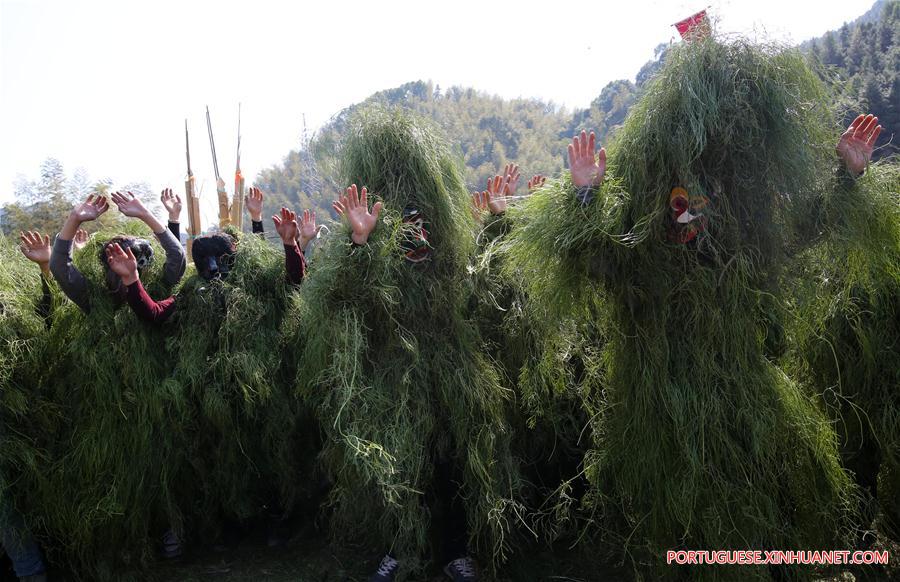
(107, 86)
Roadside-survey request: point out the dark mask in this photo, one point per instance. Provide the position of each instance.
(416, 247)
(140, 248)
(213, 255)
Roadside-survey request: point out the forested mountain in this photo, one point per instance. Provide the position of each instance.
(865, 59)
(861, 60)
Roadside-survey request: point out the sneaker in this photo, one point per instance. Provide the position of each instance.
(171, 545)
(461, 570)
(386, 570)
(42, 577)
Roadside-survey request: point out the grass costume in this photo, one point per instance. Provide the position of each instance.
(699, 440)
(391, 363)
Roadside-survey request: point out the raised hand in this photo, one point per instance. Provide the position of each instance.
(81, 239)
(511, 176)
(354, 207)
(536, 183)
(480, 203)
(587, 168)
(90, 209)
(286, 226)
(856, 144)
(308, 228)
(122, 263)
(499, 189)
(129, 205)
(254, 203)
(36, 248)
(172, 204)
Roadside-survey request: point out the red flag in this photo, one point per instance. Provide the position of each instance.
(692, 27)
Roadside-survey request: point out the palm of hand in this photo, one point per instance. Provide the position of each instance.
(172, 206)
(87, 212)
(855, 152)
(361, 221)
(132, 208)
(122, 265)
(37, 254)
(497, 203)
(308, 230)
(287, 231)
(586, 171)
(254, 206)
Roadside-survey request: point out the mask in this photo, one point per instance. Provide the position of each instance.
(415, 244)
(140, 248)
(213, 255)
(687, 216)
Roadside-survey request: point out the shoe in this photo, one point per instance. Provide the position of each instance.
(386, 570)
(461, 570)
(42, 577)
(171, 545)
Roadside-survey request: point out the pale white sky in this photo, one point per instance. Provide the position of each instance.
(106, 86)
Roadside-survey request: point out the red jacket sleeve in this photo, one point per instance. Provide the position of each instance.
(294, 264)
(146, 308)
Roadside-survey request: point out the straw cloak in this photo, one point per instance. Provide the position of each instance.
(847, 330)
(391, 362)
(699, 440)
(25, 413)
(250, 452)
(105, 490)
(548, 364)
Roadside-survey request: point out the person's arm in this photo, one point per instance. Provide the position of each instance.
(175, 258)
(69, 278)
(145, 308)
(287, 228)
(253, 201)
(176, 262)
(172, 204)
(123, 264)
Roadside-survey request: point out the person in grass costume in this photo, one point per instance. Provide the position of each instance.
(847, 329)
(699, 440)
(25, 412)
(412, 411)
(104, 492)
(250, 456)
(545, 366)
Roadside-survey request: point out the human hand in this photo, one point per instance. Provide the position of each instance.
(536, 183)
(587, 168)
(254, 203)
(511, 177)
(129, 205)
(354, 207)
(122, 263)
(172, 204)
(36, 248)
(286, 226)
(857, 143)
(89, 210)
(308, 228)
(81, 239)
